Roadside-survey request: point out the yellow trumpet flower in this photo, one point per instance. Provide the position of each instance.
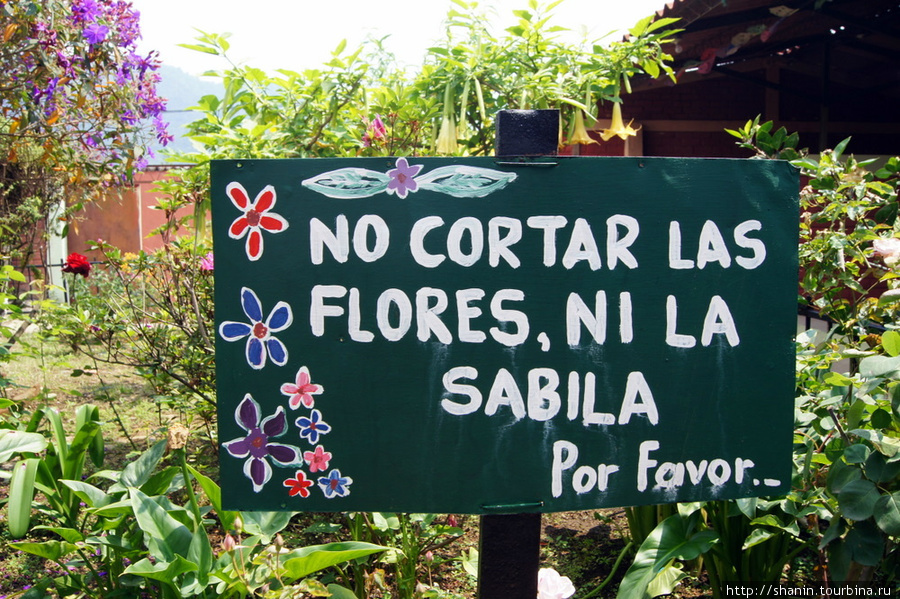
(579, 132)
(446, 140)
(618, 126)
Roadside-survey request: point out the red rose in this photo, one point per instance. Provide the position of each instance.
(78, 265)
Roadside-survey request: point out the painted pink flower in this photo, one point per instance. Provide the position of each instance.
(402, 178)
(256, 217)
(318, 460)
(302, 390)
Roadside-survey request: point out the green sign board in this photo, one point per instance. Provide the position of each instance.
(478, 336)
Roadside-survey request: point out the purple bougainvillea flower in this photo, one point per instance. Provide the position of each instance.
(335, 485)
(95, 33)
(313, 427)
(256, 217)
(260, 342)
(257, 447)
(402, 178)
(318, 459)
(302, 390)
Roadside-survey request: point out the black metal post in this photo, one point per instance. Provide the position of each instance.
(509, 547)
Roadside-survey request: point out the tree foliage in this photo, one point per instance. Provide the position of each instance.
(77, 104)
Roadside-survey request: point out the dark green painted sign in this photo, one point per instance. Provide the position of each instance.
(474, 336)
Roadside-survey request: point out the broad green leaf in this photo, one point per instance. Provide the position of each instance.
(857, 499)
(13, 442)
(339, 592)
(666, 580)
(21, 494)
(841, 474)
(53, 550)
(60, 444)
(758, 536)
(856, 453)
(383, 521)
(214, 493)
(839, 149)
(671, 539)
(838, 380)
(879, 470)
(89, 494)
(165, 536)
(67, 534)
(199, 48)
(887, 513)
(303, 562)
(890, 341)
(865, 543)
(470, 561)
(886, 444)
(163, 571)
(266, 524)
(875, 366)
(138, 472)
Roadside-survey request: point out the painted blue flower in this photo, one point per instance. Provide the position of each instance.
(257, 447)
(260, 342)
(335, 485)
(312, 427)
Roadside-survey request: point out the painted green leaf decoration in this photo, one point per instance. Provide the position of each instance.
(462, 181)
(348, 183)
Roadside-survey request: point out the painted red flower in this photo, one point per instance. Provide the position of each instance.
(299, 485)
(256, 217)
(78, 265)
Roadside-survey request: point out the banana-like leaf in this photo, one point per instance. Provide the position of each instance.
(21, 494)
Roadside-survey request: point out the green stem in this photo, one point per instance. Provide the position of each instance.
(189, 487)
(612, 572)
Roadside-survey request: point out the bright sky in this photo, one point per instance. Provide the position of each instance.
(300, 34)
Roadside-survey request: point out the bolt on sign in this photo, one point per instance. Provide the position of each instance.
(478, 336)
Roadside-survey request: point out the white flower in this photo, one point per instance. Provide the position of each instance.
(553, 586)
(888, 248)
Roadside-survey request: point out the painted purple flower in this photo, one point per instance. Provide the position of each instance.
(95, 33)
(312, 427)
(257, 447)
(260, 342)
(402, 178)
(335, 485)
